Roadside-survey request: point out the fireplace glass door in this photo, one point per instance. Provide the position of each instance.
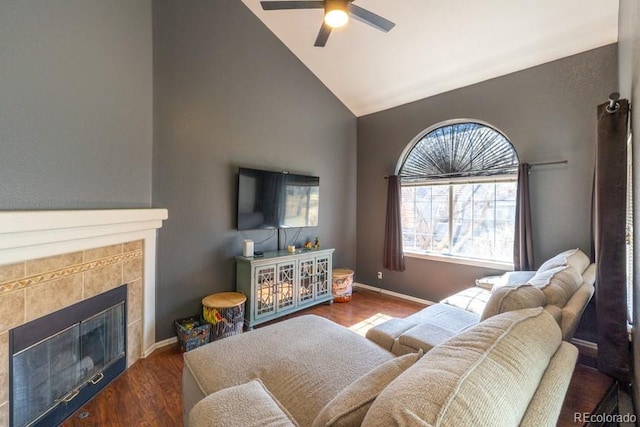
(52, 371)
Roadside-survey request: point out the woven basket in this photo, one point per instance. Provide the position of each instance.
(192, 332)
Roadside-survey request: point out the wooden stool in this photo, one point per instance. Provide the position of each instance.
(225, 312)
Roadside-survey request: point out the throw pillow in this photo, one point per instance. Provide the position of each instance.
(572, 258)
(518, 277)
(350, 406)
(510, 298)
(248, 405)
(543, 278)
(489, 282)
(558, 260)
(507, 279)
(471, 299)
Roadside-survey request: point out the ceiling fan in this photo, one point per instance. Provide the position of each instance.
(336, 14)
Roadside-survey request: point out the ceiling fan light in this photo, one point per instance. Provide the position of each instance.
(336, 14)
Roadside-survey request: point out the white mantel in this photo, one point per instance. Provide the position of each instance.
(26, 235)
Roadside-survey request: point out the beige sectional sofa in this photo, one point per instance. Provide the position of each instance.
(309, 371)
(563, 285)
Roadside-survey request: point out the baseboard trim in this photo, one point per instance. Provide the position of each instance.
(159, 345)
(587, 348)
(393, 294)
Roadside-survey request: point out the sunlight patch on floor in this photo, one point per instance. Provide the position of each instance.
(363, 326)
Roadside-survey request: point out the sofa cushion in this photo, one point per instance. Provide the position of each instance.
(508, 278)
(562, 286)
(471, 299)
(557, 261)
(573, 258)
(445, 316)
(472, 377)
(543, 278)
(489, 282)
(425, 336)
(509, 298)
(350, 406)
(246, 405)
(556, 312)
(443, 319)
(385, 333)
(579, 260)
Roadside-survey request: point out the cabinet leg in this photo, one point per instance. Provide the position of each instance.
(330, 302)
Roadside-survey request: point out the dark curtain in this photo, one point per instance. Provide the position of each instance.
(393, 257)
(609, 239)
(523, 239)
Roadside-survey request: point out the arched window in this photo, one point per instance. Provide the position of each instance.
(459, 181)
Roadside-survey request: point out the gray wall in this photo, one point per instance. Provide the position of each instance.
(228, 93)
(76, 132)
(75, 104)
(548, 112)
(629, 63)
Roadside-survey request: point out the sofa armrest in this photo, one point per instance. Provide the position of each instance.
(545, 406)
(573, 310)
(245, 405)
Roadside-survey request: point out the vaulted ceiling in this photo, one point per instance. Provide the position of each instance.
(437, 46)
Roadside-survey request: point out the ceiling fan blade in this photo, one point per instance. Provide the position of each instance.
(282, 5)
(370, 18)
(323, 35)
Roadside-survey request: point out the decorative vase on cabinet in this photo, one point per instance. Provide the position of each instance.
(279, 283)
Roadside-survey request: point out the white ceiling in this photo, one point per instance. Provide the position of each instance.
(439, 45)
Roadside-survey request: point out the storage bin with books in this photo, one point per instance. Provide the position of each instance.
(192, 332)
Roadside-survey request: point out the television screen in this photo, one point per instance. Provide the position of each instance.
(276, 200)
(301, 201)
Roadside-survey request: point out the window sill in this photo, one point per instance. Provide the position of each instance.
(498, 265)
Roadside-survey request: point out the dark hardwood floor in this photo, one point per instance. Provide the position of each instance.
(149, 393)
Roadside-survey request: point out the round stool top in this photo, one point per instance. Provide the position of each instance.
(341, 272)
(224, 300)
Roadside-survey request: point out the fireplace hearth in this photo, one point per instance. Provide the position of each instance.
(59, 361)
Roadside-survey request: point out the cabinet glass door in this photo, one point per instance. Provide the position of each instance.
(265, 294)
(322, 277)
(285, 295)
(305, 291)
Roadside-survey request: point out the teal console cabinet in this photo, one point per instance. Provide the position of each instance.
(279, 283)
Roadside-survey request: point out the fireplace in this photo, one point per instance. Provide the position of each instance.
(60, 361)
(52, 260)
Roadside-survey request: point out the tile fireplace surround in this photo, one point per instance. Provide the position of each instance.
(53, 259)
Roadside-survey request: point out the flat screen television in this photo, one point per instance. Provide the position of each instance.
(268, 200)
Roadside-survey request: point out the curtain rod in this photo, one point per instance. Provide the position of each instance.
(557, 162)
(613, 102)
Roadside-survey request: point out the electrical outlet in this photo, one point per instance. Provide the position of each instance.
(379, 275)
